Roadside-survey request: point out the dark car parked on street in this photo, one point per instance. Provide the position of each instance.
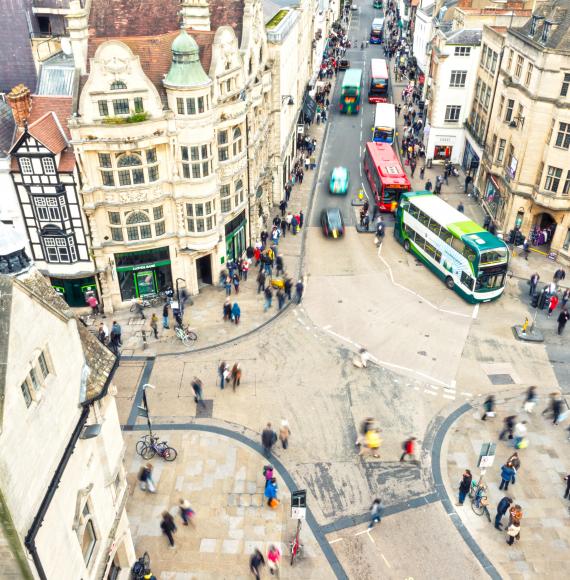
(332, 222)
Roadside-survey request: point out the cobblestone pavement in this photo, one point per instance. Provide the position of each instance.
(223, 481)
(542, 551)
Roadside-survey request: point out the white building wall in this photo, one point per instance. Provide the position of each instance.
(422, 35)
(9, 207)
(445, 133)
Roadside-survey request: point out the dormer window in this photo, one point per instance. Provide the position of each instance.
(118, 85)
(533, 24)
(545, 32)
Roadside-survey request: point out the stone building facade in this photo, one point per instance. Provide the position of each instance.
(63, 495)
(172, 139)
(525, 174)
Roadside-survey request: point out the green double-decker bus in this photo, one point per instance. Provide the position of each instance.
(470, 260)
(350, 91)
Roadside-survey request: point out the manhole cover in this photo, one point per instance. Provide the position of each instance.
(501, 379)
(206, 410)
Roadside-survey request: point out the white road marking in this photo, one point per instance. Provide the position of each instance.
(380, 249)
(385, 363)
(371, 538)
(363, 188)
(362, 532)
(326, 327)
(466, 394)
(452, 397)
(430, 393)
(453, 384)
(420, 296)
(336, 540)
(475, 311)
(385, 561)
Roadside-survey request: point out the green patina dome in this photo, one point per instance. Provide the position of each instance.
(185, 69)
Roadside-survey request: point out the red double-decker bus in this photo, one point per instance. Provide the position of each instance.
(385, 175)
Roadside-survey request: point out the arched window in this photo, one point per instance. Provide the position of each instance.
(138, 226)
(237, 141)
(238, 192)
(116, 85)
(130, 176)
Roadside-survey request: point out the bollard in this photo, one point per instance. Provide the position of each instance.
(524, 326)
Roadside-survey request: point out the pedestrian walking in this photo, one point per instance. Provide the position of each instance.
(186, 511)
(283, 207)
(502, 508)
(284, 433)
(372, 442)
(533, 283)
(273, 559)
(552, 304)
(227, 309)
(236, 313)
(422, 172)
(102, 333)
(235, 281)
(260, 281)
(165, 316)
(93, 304)
(429, 185)
(508, 427)
(559, 275)
(565, 296)
(562, 319)
(154, 324)
(255, 562)
(375, 513)
(412, 166)
(222, 374)
(515, 462)
(139, 308)
(146, 481)
(280, 298)
(197, 387)
(530, 400)
(299, 287)
(268, 439)
(513, 531)
(268, 293)
(168, 527)
(228, 285)
(507, 473)
(489, 407)
(409, 449)
(464, 486)
(288, 286)
(520, 432)
(236, 375)
(526, 249)
(556, 409)
(271, 490)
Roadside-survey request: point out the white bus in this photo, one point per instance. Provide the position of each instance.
(384, 123)
(470, 260)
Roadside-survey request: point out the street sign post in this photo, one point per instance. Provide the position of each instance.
(299, 504)
(486, 459)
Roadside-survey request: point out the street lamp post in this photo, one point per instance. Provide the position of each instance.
(145, 403)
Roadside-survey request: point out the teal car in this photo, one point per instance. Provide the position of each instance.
(339, 181)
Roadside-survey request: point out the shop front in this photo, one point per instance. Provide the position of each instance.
(443, 147)
(142, 273)
(235, 237)
(492, 197)
(471, 159)
(74, 290)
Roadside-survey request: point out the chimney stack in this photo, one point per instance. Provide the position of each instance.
(20, 99)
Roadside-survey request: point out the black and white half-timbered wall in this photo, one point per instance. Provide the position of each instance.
(43, 171)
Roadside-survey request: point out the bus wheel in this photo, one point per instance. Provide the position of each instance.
(449, 282)
(407, 245)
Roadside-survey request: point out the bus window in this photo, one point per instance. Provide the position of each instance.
(498, 255)
(424, 219)
(469, 253)
(405, 205)
(490, 281)
(458, 245)
(414, 211)
(467, 280)
(434, 227)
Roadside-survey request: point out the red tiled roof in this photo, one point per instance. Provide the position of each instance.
(47, 131)
(124, 18)
(61, 106)
(67, 161)
(155, 54)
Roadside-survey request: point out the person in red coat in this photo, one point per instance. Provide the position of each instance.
(409, 449)
(552, 304)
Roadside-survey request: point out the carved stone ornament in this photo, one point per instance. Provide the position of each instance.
(116, 65)
(133, 196)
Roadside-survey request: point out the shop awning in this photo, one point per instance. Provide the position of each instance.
(309, 107)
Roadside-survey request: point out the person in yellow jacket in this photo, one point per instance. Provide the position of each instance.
(372, 442)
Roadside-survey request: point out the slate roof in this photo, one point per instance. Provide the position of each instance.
(56, 75)
(556, 12)
(15, 47)
(7, 128)
(98, 358)
(125, 18)
(464, 37)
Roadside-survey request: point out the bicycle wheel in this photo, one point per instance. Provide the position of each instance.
(477, 506)
(186, 340)
(141, 445)
(192, 335)
(169, 454)
(293, 551)
(132, 308)
(148, 452)
(146, 561)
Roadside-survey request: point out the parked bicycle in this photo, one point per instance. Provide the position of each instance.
(149, 446)
(295, 544)
(479, 501)
(147, 302)
(186, 335)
